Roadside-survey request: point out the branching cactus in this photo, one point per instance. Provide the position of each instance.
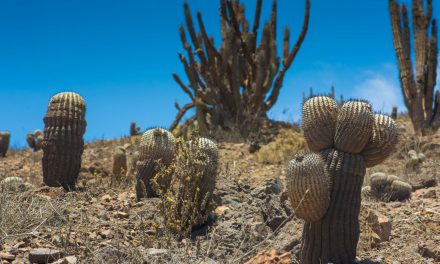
(35, 140)
(63, 142)
(4, 142)
(325, 186)
(134, 129)
(156, 149)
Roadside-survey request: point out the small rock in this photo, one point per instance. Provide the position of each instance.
(120, 215)
(430, 194)
(106, 198)
(429, 249)
(271, 257)
(380, 225)
(6, 256)
(221, 210)
(44, 255)
(67, 260)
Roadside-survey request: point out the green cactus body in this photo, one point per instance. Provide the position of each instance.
(63, 142)
(332, 235)
(4, 143)
(157, 146)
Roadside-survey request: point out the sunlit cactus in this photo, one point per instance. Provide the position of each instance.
(63, 142)
(35, 140)
(155, 150)
(337, 170)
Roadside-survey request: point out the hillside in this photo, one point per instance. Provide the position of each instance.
(103, 223)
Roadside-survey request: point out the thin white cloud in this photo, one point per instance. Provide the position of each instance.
(382, 92)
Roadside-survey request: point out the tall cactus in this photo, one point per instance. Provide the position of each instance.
(4, 142)
(157, 146)
(63, 142)
(418, 91)
(325, 188)
(240, 81)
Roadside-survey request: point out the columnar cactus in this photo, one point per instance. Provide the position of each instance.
(119, 162)
(63, 142)
(134, 129)
(157, 146)
(325, 187)
(4, 143)
(35, 140)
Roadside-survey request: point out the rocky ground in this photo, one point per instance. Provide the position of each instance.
(103, 223)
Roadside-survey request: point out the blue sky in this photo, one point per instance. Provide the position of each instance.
(119, 55)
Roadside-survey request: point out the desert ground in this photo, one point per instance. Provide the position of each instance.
(102, 222)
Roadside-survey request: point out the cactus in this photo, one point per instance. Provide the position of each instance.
(35, 140)
(134, 129)
(331, 233)
(394, 112)
(157, 146)
(4, 142)
(420, 96)
(119, 162)
(315, 182)
(63, 142)
(233, 85)
(389, 187)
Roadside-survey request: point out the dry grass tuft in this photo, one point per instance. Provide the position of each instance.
(284, 146)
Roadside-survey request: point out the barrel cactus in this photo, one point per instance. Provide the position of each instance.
(63, 142)
(156, 149)
(4, 142)
(325, 187)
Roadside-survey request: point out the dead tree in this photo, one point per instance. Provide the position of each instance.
(418, 90)
(233, 86)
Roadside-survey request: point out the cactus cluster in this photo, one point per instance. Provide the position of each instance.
(325, 187)
(35, 140)
(63, 142)
(389, 187)
(155, 150)
(4, 142)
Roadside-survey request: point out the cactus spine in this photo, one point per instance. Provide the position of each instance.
(360, 139)
(63, 142)
(157, 146)
(4, 142)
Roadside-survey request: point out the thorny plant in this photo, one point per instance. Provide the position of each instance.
(183, 203)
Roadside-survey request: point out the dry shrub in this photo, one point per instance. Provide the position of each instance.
(284, 146)
(24, 214)
(186, 201)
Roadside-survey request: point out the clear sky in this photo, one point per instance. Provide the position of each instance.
(119, 55)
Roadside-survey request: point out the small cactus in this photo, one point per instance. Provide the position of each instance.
(119, 162)
(134, 129)
(346, 140)
(157, 146)
(35, 140)
(4, 142)
(389, 187)
(63, 143)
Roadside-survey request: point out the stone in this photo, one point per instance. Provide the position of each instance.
(271, 257)
(221, 210)
(44, 255)
(6, 256)
(429, 249)
(380, 225)
(67, 260)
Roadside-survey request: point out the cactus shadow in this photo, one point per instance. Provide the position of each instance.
(367, 261)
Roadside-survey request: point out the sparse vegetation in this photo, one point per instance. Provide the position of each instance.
(187, 199)
(284, 146)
